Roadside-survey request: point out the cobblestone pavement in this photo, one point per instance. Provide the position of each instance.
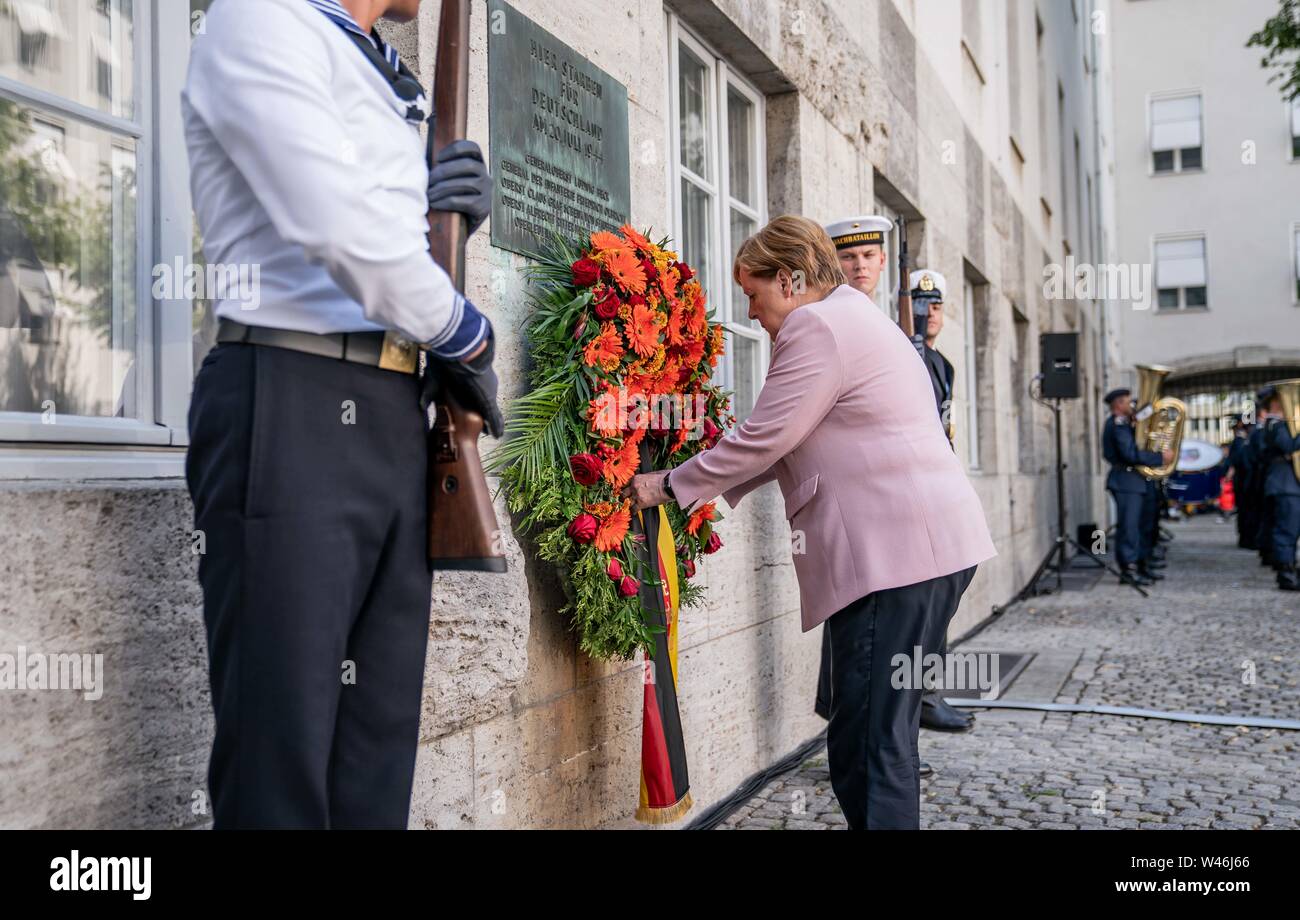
(1215, 637)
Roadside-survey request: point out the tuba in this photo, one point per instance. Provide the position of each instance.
(1289, 392)
(1164, 427)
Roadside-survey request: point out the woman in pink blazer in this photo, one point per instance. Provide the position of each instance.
(891, 528)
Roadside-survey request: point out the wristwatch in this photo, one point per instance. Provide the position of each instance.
(668, 486)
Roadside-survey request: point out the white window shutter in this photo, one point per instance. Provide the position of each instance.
(1180, 263)
(1175, 123)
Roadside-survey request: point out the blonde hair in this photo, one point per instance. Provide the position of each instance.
(797, 245)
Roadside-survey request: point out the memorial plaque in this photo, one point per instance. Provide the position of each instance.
(558, 137)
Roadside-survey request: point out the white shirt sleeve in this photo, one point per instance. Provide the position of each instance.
(263, 89)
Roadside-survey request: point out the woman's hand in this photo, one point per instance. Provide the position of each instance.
(646, 489)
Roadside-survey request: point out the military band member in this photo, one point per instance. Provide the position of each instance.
(1128, 487)
(1282, 489)
(308, 441)
(1240, 473)
(1258, 444)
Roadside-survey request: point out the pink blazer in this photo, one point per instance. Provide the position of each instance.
(846, 424)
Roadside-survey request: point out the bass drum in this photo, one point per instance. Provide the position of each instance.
(1196, 480)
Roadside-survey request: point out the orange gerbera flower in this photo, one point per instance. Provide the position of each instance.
(613, 528)
(673, 331)
(603, 241)
(621, 466)
(668, 281)
(643, 330)
(702, 514)
(626, 270)
(602, 413)
(635, 238)
(605, 350)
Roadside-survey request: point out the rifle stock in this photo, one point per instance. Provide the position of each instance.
(905, 321)
(462, 525)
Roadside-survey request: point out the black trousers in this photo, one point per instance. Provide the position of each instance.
(308, 476)
(1130, 535)
(872, 738)
(1286, 529)
(1264, 536)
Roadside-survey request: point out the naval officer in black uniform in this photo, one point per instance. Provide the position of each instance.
(308, 440)
(1128, 487)
(930, 288)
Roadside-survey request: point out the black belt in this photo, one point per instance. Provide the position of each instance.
(358, 347)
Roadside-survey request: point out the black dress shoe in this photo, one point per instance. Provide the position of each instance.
(1130, 576)
(938, 716)
(1146, 571)
(1287, 579)
(926, 769)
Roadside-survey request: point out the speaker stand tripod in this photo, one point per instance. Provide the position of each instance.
(1056, 560)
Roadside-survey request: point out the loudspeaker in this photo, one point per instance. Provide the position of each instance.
(1060, 367)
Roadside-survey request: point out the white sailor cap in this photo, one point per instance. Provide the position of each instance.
(928, 284)
(858, 231)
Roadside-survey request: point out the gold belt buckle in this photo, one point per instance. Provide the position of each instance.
(398, 354)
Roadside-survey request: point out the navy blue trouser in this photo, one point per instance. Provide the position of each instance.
(871, 741)
(1129, 526)
(1286, 528)
(1264, 539)
(308, 479)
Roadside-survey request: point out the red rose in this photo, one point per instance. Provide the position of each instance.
(606, 304)
(711, 430)
(684, 271)
(651, 273)
(583, 528)
(636, 300)
(689, 567)
(614, 570)
(585, 272)
(629, 586)
(714, 544)
(586, 468)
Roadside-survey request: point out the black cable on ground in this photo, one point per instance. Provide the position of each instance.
(750, 787)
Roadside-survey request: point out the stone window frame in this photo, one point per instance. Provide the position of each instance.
(152, 443)
(720, 287)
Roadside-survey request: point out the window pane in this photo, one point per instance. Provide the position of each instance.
(742, 228)
(693, 90)
(697, 232)
(1164, 160)
(1190, 157)
(740, 143)
(745, 357)
(1168, 298)
(1195, 296)
(68, 256)
(83, 50)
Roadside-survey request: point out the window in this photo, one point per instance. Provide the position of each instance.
(719, 195)
(1180, 273)
(972, 374)
(887, 287)
(1295, 129)
(85, 212)
(1176, 133)
(1295, 252)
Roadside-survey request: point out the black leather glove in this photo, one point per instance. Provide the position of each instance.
(473, 384)
(459, 181)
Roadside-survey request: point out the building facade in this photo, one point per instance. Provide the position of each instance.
(981, 123)
(1207, 165)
